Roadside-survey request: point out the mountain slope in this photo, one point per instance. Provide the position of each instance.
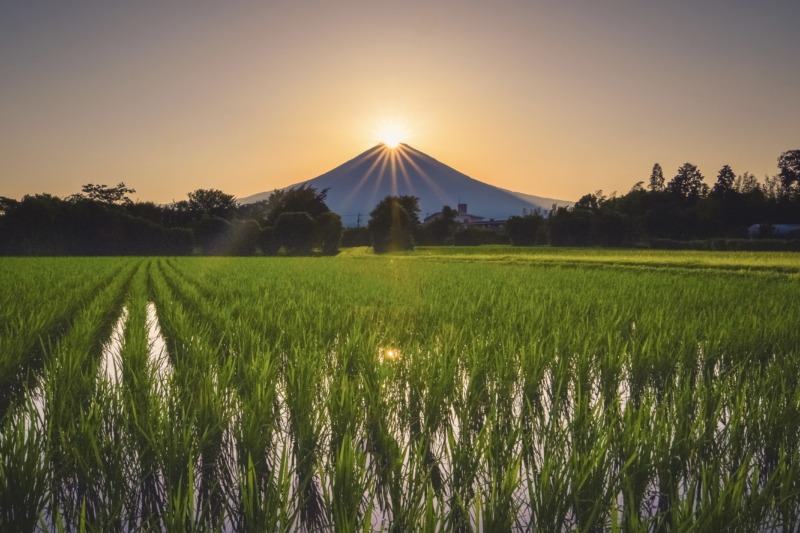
(356, 186)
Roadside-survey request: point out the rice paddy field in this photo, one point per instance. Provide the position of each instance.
(491, 389)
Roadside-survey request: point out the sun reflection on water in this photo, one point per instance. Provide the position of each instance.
(389, 354)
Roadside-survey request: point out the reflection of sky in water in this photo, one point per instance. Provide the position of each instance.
(158, 349)
(111, 362)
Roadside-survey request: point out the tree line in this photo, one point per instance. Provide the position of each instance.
(103, 220)
(684, 211)
(674, 212)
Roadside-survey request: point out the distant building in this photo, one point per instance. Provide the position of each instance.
(465, 218)
(774, 230)
(468, 220)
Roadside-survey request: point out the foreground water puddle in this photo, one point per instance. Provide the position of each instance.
(111, 359)
(158, 356)
(111, 362)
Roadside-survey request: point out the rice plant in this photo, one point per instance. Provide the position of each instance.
(492, 389)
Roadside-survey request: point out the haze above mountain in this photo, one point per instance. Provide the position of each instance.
(356, 187)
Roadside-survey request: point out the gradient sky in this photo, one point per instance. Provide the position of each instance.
(551, 98)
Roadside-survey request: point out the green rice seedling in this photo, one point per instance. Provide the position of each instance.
(304, 414)
(589, 467)
(141, 409)
(178, 455)
(35, 314)
(69, 388)
(349, 508)
(532, 389)
(23, 481)
(266, 509)
(499, 508)
(636, 452)
(103, 470)
(547, 483)
(202, 377)
(261, 464)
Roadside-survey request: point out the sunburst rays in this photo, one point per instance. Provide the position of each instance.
(399, 167)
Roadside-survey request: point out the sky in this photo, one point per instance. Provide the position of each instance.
(551, 98)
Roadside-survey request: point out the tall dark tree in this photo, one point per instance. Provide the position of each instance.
(571, 226)
(525, 230)
(443, 227)
(411, 205)
(688, 183)
(243, 237)
(746, 184)
(591, 202)
(656, 179)
(256, 210)
(268, 242)
(211, 202)
(212, 234)
(391, 226)
(329, 231)
(295, 232)
(789, 164)
(725, 180)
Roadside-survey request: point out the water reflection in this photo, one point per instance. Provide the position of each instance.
(388, 354)
(111, 360)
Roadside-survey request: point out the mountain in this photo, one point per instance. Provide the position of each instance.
(355, 187)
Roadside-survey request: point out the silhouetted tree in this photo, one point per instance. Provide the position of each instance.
(789, 165)
(725, 179)
(355, 237)
(329, 232)
(571, 226)
(590, 202)
(256, 210)
(774, 189)
(243, 237)
(149, 211)
(302, 199)
(295, 232)
(611, 228)
(411, 205)
(746, 184)
(688, 183)
(6, 203)
(656, 179)
(211, 202)
(442, 228)
(47, 225)
(525, 230)
(105, 194)
(391, 226)
(268, 242)
(212, 234)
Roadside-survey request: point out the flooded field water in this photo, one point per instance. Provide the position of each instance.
(238, 394)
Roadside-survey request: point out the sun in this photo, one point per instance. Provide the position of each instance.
(391, 139)
(391, 134)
